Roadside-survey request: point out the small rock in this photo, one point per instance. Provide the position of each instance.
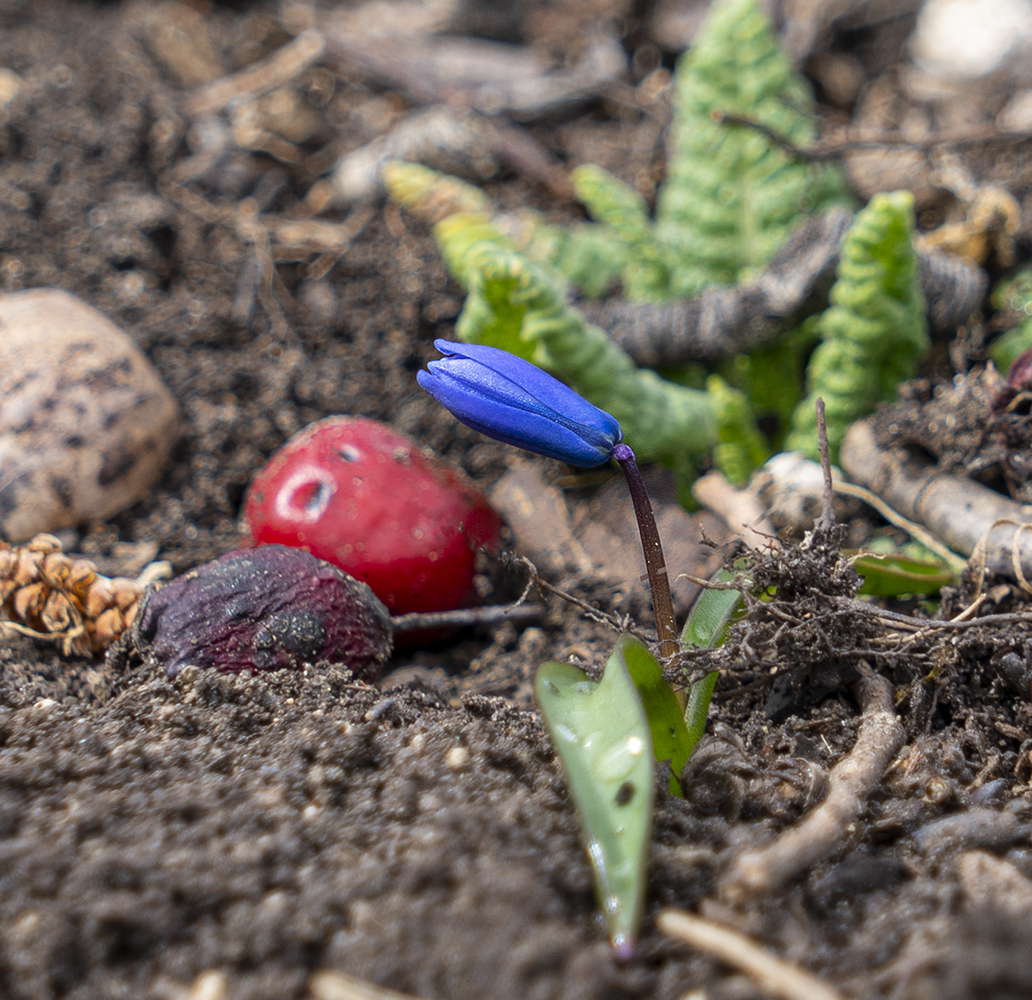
(86, 425)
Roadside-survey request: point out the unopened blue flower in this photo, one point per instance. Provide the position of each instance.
(507, 398)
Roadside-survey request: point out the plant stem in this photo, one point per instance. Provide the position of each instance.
(417, 621)
(662, 602)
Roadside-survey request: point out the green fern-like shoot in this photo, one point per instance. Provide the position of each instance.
(731, 194)
(874, 332)
(624, 215)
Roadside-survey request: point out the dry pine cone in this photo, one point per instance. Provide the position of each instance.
(47, 594)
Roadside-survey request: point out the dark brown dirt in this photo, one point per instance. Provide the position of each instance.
(418, 833)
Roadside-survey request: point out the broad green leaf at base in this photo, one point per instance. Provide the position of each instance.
(603, 739)
(670, 739)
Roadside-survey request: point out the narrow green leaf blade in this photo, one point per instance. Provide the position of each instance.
(670, 739)
(706, 628)
(897, 575)
(603, 740)
(711, 615)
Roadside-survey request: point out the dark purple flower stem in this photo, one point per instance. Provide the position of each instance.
(662, 602)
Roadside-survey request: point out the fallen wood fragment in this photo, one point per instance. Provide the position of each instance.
(282, 66)
(968, 517)
(767, 869)
(741, 510)
(771, 974)
(488, 76)
(326, 985)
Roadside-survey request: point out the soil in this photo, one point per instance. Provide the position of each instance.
(417, 833)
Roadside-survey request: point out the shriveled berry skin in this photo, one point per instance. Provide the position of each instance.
(264, 608)
(360, 495)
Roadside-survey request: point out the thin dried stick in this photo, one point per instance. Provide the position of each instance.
(338, 986)
(282, 66)
(912, 528)
(615, 622)
(852, 140)
(827, 519)
(771, 974)
(766, 869)
(245, 222)
(740, 509)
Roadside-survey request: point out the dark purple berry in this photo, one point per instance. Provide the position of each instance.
(259, 609)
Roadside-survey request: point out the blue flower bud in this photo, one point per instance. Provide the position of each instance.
(511, 400)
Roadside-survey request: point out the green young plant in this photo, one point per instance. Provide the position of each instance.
(607, 733)
(874, 332)
(603, 739)
(732, 194)
(897, 575)
(1013, 297)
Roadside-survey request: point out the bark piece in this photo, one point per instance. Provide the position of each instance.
(537, 514)
(962, 513)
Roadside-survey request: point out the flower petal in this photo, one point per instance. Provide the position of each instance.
(510, 422)
(502, 377)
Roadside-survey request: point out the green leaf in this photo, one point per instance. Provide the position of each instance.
(712, 615)
(697, 710)
(706, 628)
(602, 736)
(742, 448)
(874, 332)
(646, 273)
(1006, 349)
(898, 575)
(731, 194)
(670, 739)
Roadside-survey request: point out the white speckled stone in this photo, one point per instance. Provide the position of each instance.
(86, 424)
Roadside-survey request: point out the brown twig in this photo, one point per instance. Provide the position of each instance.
(771, 974)
(282, 66)
(741, 510)
(517, 613)
(827, 519)
(615, 622)
(849, 140)
(327, 985)
(764, 870)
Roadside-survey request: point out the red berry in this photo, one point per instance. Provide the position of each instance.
(362, 496)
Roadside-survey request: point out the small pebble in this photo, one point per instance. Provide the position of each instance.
(86, 425)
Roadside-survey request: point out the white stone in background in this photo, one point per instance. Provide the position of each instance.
(1017, 113)
(966, 39)
(86, 424)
